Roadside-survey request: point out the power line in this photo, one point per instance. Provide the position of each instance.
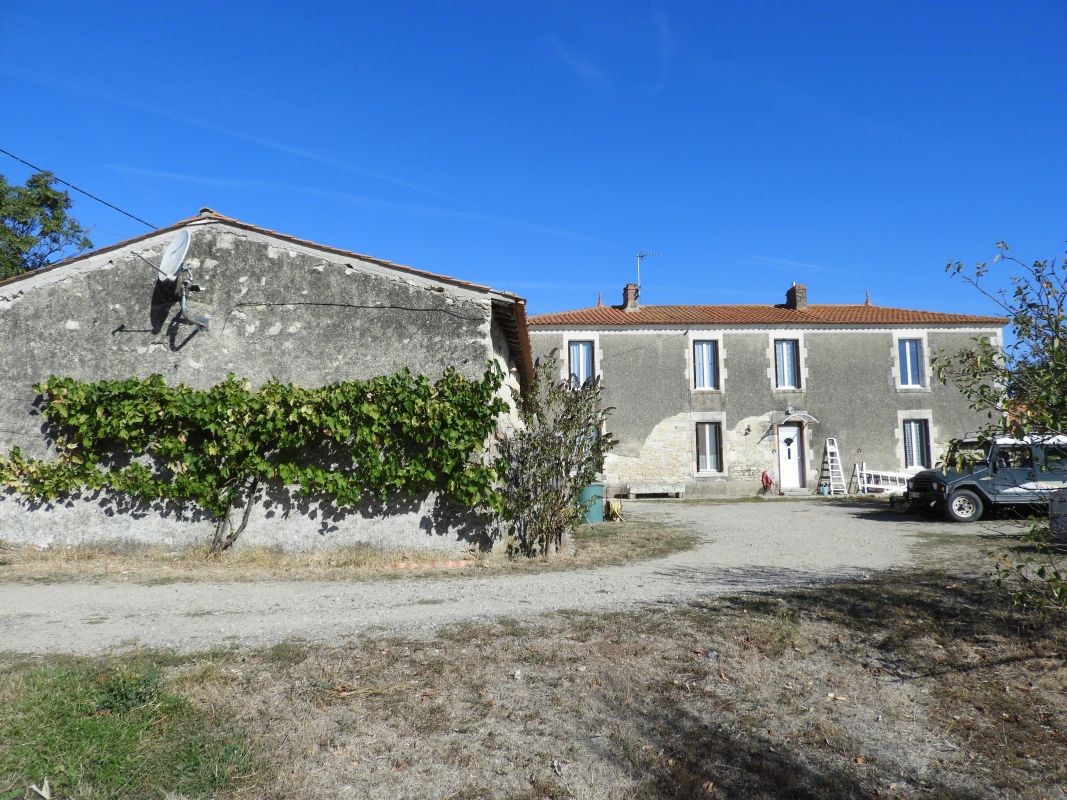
(78, 189)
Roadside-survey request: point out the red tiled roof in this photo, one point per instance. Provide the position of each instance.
(861, 314)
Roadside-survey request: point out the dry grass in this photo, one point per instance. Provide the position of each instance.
(922, 684)
(594, 545)
(909, 685)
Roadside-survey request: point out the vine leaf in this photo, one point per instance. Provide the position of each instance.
(216, 449)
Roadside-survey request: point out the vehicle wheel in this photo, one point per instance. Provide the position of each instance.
(963, 506)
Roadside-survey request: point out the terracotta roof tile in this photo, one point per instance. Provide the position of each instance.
(860, 314)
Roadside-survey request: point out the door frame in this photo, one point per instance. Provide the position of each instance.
(800, 445)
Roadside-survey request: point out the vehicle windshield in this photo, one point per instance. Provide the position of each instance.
(1055, 458)
(967, 453)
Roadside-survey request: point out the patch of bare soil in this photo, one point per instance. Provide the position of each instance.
(916, 685)
(591, 546)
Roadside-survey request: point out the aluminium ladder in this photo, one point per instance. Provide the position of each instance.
(874, 481)
(833, 464)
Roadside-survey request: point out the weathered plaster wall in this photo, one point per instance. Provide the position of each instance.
(849, 384)
(275, 309)
(634, 366)
(424, 523)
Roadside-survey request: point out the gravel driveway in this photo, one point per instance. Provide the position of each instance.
(742, 546)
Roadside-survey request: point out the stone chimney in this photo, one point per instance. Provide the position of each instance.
(797, 297)
(629, 297)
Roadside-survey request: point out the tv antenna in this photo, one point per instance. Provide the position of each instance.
(172, 269)
(641, 255)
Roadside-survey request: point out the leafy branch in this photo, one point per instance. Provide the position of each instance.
(218, 448)
(557, 453)
(1023, 391)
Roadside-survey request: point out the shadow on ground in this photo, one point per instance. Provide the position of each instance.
(989, 670)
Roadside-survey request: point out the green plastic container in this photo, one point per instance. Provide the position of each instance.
(592, 497)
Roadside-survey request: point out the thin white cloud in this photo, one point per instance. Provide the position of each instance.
(196, 180)
(281, 147)
(356, 199)
(585, 69)
(665, 47)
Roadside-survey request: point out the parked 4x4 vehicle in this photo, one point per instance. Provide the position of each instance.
(1001, 472)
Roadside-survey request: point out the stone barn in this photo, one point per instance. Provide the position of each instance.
(269, 305)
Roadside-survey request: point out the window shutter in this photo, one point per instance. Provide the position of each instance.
(702, 447)
(716, 448)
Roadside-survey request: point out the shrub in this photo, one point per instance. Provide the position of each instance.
(556, 453)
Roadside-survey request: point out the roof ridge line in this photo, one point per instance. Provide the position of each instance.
(208, 215)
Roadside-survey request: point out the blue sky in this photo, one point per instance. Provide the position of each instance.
(538, 146)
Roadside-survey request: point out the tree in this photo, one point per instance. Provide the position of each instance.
(555, 454)
(36, 227)
(1022, 390)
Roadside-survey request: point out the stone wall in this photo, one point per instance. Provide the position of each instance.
(849, 385)
(276, 309)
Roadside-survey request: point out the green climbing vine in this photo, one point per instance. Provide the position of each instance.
(217, 448)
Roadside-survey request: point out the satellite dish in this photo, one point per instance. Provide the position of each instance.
(174, 256)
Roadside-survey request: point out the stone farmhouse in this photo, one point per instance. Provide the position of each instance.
(708, 398)
(274, 306)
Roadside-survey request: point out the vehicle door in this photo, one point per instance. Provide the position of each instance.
(1013, 473)
(1051, 467)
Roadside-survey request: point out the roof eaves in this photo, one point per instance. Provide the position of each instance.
(214, 215)
(99, 251)
(518, 335)
(751, 315)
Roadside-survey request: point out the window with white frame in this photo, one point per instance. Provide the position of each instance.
(916, 443)
(705, 364)
(787, 363)
(912, 369)
(709, 447)
(580, 362)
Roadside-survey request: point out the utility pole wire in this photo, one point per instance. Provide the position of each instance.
(78, 189)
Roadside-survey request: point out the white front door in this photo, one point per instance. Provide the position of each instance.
(790, 457)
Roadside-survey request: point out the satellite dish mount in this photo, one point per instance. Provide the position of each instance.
(172, 269)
